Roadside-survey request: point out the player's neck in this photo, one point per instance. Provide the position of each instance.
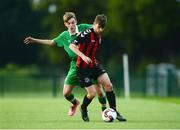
(94, 29)
(72, 32)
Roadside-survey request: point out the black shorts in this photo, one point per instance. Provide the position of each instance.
(87, 75)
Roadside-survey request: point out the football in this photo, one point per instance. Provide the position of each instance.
(109, 115)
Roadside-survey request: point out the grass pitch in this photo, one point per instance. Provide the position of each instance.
(51, 113)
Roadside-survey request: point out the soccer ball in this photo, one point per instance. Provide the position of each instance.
(109, 115)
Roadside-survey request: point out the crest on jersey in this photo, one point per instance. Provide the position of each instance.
(86, 80)
(93, 40)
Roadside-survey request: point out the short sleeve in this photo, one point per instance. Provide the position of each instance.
(59, 40)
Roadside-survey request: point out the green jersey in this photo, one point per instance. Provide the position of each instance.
(64, 39)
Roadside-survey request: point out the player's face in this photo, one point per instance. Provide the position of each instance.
(71, 25)
(97, 28)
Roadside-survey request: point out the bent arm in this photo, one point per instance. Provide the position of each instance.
(75, 49)
(31, 40)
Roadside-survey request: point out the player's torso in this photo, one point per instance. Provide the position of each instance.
(66, 39)
(89, 47)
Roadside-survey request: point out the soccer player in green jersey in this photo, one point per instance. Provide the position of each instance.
(63, 40)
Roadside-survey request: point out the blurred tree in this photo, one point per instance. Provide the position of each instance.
(85, 12)
(17, 20)
(148, 30)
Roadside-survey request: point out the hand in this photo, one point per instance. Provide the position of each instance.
(87, 59)
(29, 40)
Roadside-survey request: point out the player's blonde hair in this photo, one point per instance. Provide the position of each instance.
(68, 15)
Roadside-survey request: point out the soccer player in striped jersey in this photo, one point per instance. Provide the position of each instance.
(63, 40)
(88, 69)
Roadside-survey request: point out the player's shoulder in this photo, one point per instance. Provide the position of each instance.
(85, 32)
(89, 30)
(64, 33)
(83, 26)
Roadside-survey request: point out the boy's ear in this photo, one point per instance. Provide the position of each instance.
(65, 24)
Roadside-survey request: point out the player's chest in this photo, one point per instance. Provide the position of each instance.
(93, 39)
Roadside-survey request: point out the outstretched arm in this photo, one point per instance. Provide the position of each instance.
(31, 40)
(75, 49)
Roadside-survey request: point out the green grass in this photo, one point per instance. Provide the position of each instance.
(36, 113)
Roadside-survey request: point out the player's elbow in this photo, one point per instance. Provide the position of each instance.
(52, 43)
(72, 46)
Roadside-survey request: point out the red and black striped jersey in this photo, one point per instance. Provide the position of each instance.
(88, 42)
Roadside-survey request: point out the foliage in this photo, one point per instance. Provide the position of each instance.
(18, 21)
(145, 30)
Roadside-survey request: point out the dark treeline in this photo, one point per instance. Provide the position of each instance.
(147, 30)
